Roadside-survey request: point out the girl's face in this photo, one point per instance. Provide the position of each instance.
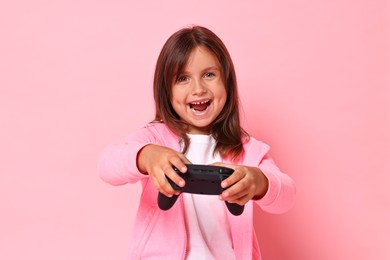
(198, 93)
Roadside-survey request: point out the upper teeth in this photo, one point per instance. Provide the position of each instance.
(199, 103)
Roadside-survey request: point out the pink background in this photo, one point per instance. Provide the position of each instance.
(314, 84)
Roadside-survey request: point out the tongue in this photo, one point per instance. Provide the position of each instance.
(200, 107)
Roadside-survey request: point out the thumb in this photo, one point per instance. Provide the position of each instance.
(224, 165)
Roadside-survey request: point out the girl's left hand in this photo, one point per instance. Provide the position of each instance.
(244, 184)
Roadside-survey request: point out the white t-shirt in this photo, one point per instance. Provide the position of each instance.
(208, 230)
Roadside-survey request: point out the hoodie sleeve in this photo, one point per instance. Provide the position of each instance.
(281, 188)
(280, 195)
(117, 164)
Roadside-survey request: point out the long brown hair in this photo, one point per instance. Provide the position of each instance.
(226, 128)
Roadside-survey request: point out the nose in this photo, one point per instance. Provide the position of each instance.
(198, 88)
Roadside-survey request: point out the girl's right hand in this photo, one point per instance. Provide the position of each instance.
(158, 161)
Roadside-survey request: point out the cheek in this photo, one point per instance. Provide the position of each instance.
(178, 102)
(223, 95)
(177, 94)
(223, 99)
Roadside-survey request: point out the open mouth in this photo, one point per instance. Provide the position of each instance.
(200, 106)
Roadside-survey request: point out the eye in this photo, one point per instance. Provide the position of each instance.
(182, 79)
(209, 75)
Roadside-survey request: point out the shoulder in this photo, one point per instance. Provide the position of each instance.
(252, 143)
(254, 150)
(159, 129)
(159, 132)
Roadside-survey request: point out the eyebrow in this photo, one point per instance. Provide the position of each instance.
(206, 69)
(212, 68)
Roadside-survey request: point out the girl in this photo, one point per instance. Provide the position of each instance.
(197, 121)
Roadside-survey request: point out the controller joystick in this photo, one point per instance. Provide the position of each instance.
(200, 179)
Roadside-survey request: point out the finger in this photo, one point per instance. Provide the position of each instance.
(174, 176)
(234, 193)
(236, 176)
(168, 190)
(241, 201)
(239, 184)
(221, 164)
(185, 159)
(230, 180)
(179, 162)
(161, 183)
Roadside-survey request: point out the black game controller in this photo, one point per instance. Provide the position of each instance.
(200, 179)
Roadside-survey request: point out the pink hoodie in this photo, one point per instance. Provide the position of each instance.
(161, 234)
